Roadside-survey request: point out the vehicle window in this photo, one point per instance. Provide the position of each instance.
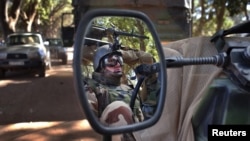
(14, 40)
(35, 39)
(55, 42)
(22, 39)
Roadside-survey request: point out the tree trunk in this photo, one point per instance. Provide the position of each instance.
(141, 31)
(202, 19)
(220, 12)
(9, 17)
(29, 15)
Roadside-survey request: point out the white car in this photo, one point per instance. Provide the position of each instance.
(57, 50)
(25, 51)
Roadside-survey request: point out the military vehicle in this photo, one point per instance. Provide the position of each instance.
(204, 81)
(172, 19)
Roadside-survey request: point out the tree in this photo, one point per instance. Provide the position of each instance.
(29, 13)
(9, 14)
(32, 15)
(238, 6)
(50, 14)
(129, 25)
(213, 15)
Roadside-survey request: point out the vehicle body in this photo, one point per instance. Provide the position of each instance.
(2, 44)
(57, 50)
(207, 85)
(25, 51)
(173, 22)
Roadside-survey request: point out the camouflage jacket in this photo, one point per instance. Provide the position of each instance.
(107, 94)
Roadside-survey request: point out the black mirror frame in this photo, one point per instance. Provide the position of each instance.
(77, 71)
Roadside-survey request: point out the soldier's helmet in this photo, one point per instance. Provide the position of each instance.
(100, 54)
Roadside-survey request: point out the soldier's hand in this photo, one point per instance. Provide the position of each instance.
(147, 69)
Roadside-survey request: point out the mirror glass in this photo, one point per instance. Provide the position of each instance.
(118, 69)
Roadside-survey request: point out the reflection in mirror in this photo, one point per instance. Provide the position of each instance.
(120, 78)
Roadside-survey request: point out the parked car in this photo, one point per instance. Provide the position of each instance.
(25, 51)
(2, 44)
(57, 50)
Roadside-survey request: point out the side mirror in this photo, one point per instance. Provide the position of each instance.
(132, 33)
(46, 43)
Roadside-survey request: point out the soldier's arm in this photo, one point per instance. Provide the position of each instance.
(132, 57)
(90, 90)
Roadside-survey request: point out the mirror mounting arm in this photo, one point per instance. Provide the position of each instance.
(135, 92)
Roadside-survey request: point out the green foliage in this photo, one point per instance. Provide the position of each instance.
(47, 15)
(44, 10)
(207, 17)
(209, 27)
(130, 25)
(53, 9)
(236, 6)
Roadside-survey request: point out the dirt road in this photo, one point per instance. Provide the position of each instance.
(44, 109)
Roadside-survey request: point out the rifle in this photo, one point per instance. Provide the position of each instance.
(234, 58)
(97, 33)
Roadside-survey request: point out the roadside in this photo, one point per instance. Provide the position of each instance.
(43, 109)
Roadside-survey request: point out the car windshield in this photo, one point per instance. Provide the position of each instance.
(55, 42)
(22, 39)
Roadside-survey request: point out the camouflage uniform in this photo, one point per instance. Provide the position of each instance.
(110, 97)
(106, 94)
(149, 95)
(111, 105)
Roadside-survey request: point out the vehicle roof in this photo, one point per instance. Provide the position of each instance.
(53, 38)
(24, 33)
